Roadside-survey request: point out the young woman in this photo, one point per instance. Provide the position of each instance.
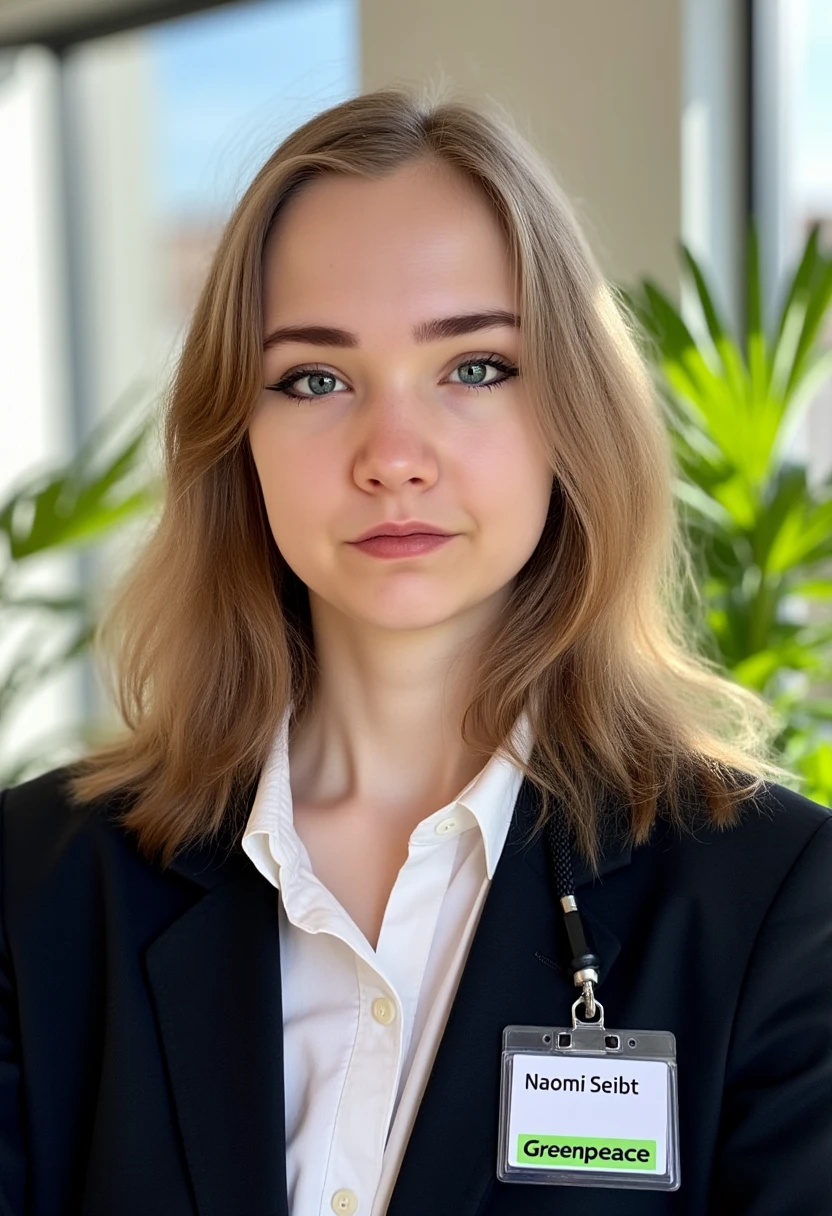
(259, 953)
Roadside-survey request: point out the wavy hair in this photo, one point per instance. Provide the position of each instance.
(209, 631)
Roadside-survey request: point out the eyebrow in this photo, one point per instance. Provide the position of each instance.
(426, 331)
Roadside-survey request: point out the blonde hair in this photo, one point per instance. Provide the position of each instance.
(210, 628)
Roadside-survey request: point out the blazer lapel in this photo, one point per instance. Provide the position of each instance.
(215, 980)
(214, 975)
(514, 973)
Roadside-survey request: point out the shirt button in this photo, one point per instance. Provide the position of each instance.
(445, 826)
(383, 1011)
(344, 1202)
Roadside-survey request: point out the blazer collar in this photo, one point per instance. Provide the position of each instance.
(215, 979)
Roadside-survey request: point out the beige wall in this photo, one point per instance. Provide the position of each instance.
(595, 85)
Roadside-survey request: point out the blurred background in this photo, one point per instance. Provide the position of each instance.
(695, 139)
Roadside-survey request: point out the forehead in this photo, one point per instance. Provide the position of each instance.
(421, 240)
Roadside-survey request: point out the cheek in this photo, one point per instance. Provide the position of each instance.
(515, 506)
(295, 479)
(511, 480)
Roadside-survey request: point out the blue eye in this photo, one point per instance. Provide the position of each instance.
(472, 364)
(319, 378)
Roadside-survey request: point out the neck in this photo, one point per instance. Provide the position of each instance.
(384, 733)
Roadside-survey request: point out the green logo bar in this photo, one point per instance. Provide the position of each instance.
(570, 1152)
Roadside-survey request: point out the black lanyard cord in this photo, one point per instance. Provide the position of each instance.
(585, 965)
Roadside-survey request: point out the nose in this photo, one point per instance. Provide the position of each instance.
(396, 447)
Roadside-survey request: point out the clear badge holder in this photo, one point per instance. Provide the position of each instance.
(584, 1105)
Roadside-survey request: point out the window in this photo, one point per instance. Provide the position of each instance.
(123, 156)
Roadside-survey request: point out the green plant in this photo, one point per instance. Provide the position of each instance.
(70, 508)
(760, 533)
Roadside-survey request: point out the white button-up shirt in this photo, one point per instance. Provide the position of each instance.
(360, 1026)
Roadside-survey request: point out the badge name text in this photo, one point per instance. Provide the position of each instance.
(578, 1085)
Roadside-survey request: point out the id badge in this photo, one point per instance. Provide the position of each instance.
(586, 1106)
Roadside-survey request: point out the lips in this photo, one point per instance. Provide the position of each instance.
(414, 544)
(392, 528)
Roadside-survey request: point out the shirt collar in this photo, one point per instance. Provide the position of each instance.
(487, 801)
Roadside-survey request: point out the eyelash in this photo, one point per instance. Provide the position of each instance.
(508, 369)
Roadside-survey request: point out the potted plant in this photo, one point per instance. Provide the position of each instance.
(65, 509)
(760, 533)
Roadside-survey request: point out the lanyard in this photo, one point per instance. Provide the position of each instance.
(585, 1105)
(585, 965)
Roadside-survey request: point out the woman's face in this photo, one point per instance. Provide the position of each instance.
(388, 423)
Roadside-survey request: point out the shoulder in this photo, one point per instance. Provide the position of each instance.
(43, 810)
(788, 838)
(48, 840)
(772, 826)
(801, 812)
(778, 822)
(779, 838)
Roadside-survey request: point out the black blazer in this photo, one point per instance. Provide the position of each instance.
(141, 1065)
